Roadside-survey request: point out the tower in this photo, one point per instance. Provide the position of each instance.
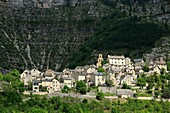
(100, 60)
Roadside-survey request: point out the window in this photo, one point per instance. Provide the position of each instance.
(102, 78)
(35, 84)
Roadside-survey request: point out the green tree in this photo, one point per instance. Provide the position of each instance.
(9, 78)
(37, 110)
(100, 69)
(15, 73)
(21, 87)
(166, 92)
(83, 90)
(99, 96)
(65, 89)
(146, 68)
(1, 77)
(141, 82)
(125, 86)
(168, 65)
(85, 101)
(150, 86)
(81, 87)
(114, 110)
(163, 71)
(13, 97)
(143, 7)
(158, 81)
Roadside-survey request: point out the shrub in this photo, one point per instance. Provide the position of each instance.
(85, 101)
(81, 87)
(99, 96)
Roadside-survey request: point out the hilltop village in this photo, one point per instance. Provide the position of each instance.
(115, 84)
(118, 75)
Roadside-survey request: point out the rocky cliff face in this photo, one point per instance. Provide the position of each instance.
(161, 50)
(44, 38)
(45, 33)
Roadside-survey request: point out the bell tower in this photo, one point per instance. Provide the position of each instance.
(100, 60)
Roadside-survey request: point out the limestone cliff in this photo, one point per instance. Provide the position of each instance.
(44, 38)
(45, 33)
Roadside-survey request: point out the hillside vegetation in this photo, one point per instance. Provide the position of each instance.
(41, 104)
(119, 34)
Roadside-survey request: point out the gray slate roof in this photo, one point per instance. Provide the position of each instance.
(138, 60)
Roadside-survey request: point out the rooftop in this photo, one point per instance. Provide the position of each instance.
(138, 60)
(116, 57)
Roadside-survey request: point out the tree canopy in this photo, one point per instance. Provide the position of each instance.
(141, 81)
(81, 87)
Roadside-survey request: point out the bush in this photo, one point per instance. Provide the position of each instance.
(100, 69)
(141, 82)
(83, 90)
(65, 89)
(166, 92)
(149, 92)
(85, 101)
(168, 65)
(125, 86)
(99, 96)
(81, 87)
(146, 68)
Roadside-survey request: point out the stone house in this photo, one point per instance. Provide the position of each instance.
(98, 78)
(130, 80)
(45, 82)
(161, 65)
(36, 73)
(49, 74)
(119, 60)
(84, 73)
(91, 69)
(139, 63)
(22, 75)
(54, 86)
(26, 77)
(67, 72)
(36, 85)
(127, 80)
(69, 81)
